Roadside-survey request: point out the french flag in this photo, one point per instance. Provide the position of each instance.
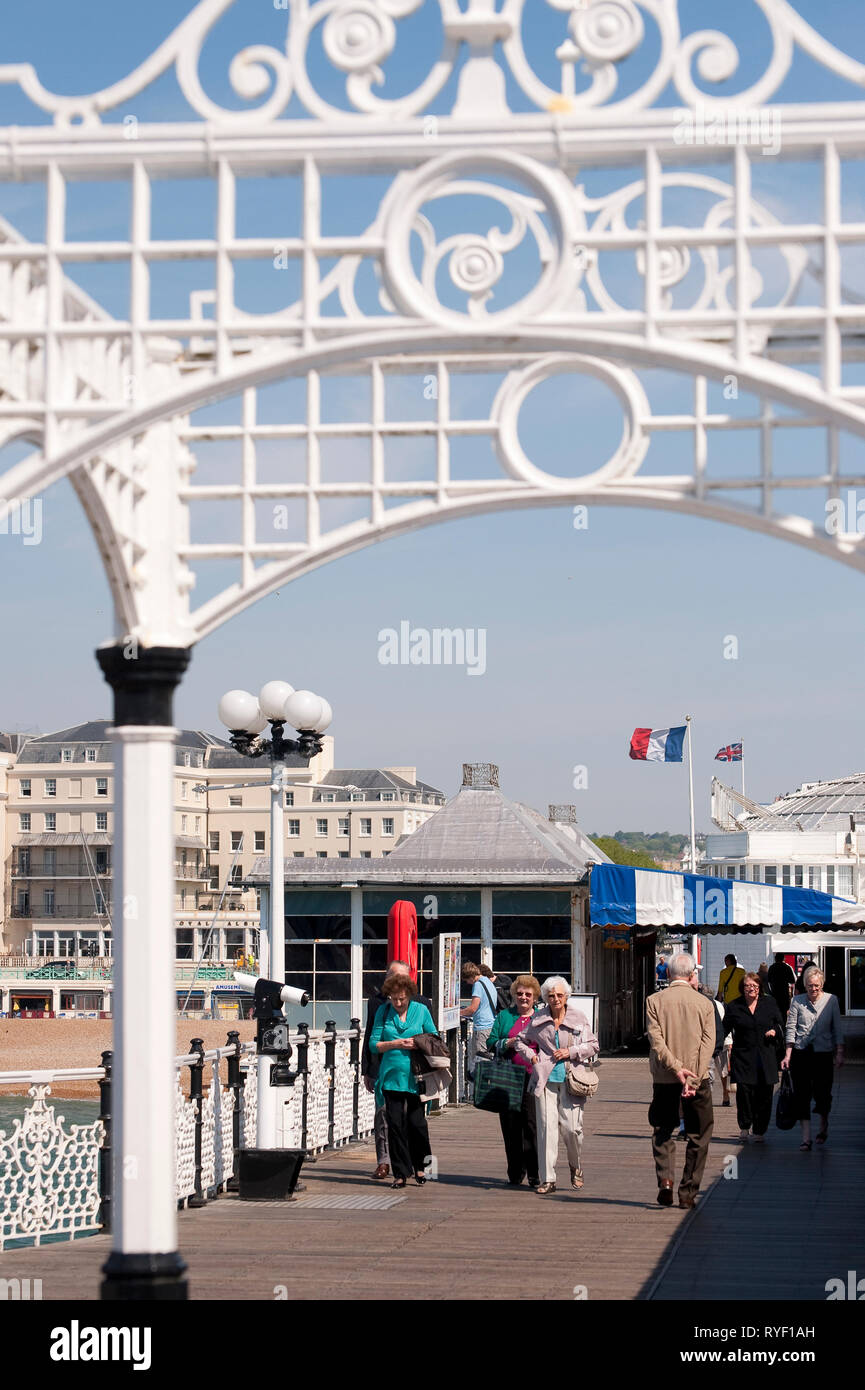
(658, 745)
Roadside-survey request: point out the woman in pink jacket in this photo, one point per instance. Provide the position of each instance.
(561, 1033)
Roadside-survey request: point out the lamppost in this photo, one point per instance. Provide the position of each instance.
(246, 716)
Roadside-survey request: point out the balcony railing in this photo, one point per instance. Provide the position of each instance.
(191, 871)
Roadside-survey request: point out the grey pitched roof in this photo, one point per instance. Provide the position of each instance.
(814, 806)
(480, 836)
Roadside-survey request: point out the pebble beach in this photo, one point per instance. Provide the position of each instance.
(30, 1043)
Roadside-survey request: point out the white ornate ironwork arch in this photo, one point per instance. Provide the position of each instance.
(525, 189)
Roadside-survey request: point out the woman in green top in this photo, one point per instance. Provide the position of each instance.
(519, 1129)
(397, 1023)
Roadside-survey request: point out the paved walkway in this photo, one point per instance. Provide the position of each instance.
(451, 1238)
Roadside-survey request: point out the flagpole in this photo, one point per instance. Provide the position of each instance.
(743, 766)
(691, 790)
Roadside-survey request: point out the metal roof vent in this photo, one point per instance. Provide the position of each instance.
(564, 814)
(480, 776)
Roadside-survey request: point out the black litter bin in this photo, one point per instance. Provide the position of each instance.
(266, 1175)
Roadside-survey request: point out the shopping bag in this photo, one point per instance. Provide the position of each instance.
(785, 1106)
(499, 1086)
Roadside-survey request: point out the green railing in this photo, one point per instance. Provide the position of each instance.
(182, 973)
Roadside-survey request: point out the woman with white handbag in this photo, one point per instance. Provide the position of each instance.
(563, 1037)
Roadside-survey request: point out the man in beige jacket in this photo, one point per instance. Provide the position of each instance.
(681, 1028)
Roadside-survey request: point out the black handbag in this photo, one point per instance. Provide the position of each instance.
(785, 1106)
(499, 1086)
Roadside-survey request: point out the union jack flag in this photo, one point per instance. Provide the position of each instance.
(731, 754)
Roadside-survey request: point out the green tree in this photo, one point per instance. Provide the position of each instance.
(634, 858)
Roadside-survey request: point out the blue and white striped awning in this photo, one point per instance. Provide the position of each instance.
(621, 896)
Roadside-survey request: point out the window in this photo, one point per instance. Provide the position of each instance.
(25, 786)
(101, 820)
(90, 755)
(186, 760)
(289, 798)
(388, 796)
(184, 791)
(731, 870)
(328, 796)
(183, 897)
(298, 854)
(198, 825)
(343, 824)
(50, 820)
(214, 876)
(343, 854)
(366, 826)
(258, 899)
(50, 786)
(357, 796)
(321, 854)
(797, 876)
(74, 786)
(743, 871)
(101, 786)
(48, 902)
(183, 820)
(24, 861)
(24, 820)
(830, 878)
(213, 841)
(236, 874)
(235, 801)
(366, 854)
(294, 827)
(814, 876)
(785, 874)
(236, 839)
(387, 825)
(321, 825)
(771, 873)
(844, 880)
(101, 857)
(259, 842)
(24, 903)
(49, 861)
(66, 755)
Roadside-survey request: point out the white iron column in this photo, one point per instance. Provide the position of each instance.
(357, 953)
(487, 927)
(277, 873)
(144, 1263)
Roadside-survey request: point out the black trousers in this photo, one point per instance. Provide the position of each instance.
(812, 1075)
(407, 1133)
(519, 1132)
(699, 1121)
(754, 1106)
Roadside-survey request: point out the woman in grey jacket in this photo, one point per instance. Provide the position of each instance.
(557, 1034)
(813, 1036)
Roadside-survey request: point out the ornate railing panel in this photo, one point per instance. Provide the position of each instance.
(49, 1175)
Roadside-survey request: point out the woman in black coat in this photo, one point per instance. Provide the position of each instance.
(758, 1044)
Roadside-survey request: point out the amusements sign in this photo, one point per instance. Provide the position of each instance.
(448, 963)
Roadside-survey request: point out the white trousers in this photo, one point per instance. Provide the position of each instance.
(557, 1110)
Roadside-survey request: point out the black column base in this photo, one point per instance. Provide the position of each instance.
(145, 1278)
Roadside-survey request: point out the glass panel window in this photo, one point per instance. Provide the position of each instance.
(343, 854)
(743, 871)
(101, 786)
(235, 801)
(66, 755)
(198, 825)
(186, 760)
(830, 878)
(24, 820)
(785, 874)
(357, 796)
(236, 838)
(321, 825)
(214, 877)
(236, 873)
(342, 825)
(289, 798)
(798, 876)
(25, 786)
(101, 820)
(50, 820)
(24, 861)
(366, 826)
(294, 828)
(259, 841)
(771, 873)
(731, 871)
(366, 854)
(24, 903)
(856, 994)
(183, 820)
(48, 902)
(328, 796)
(213, 841)
(387, 825)
(184, 791)
(844, 880)
(90, 755)
(49, 861)
(388, 796)
(815, 876)
(50, 786)
(101, 857)
(321, 854)
(298, 854)
(183, 944)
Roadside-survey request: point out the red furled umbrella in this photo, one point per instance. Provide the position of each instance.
(402, 935)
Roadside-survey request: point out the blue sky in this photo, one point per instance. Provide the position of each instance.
(589, 632)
